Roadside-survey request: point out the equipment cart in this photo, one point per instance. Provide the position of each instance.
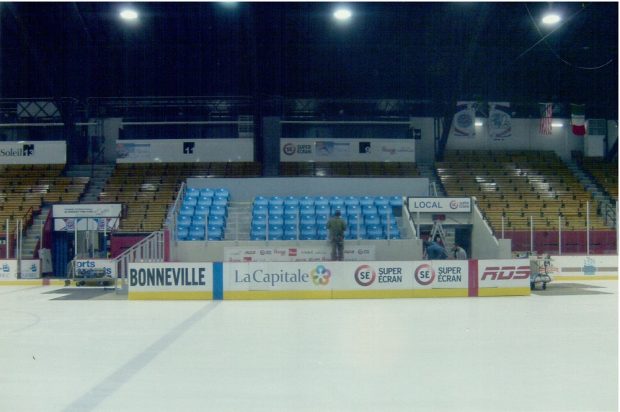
(540, 272)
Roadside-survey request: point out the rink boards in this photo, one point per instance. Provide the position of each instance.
(328, 280)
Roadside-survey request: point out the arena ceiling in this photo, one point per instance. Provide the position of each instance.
(425, 51)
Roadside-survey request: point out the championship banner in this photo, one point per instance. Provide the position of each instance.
(464, 120)
(500, 124)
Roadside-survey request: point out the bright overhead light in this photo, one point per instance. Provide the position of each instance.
(129, 14)
(478, 123)
(557, 124)
(342, 14)
(551, 19)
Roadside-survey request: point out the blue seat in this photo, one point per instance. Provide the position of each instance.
(201, 210)
(197, 232)
(336, 201)
(291, 201)
(275, 232)
(220, 201)
(222, 193)
(216, 220)
(354, 219)
(205, 201)
(385, 210)
(276, 201)
(259, 210)
(322, 233)
(321, 201)
(372, 220)
(276, 220)
(275, 210)
(258, 234)
(306, 201)
(291, 210)
(206, 192)
(385, 220)
(353, 231)
(321, 219)
(396, 201)
(259, 218)
(351, 201)
(186, 211)
(307, 220)
(367, 200)
(322, 210)
(190, 201)
(342, 208)
(192, 191)
(199, 220)
(290, 219)
(306, 210)
(307, 232)
(374, 232)
(290, 231)
(214, 232)
(257, 225)
(381, 201)
(184, 221)
(369, 210)
(182, 233)
(354, 209)
(393, 232)
(217, 211)
(261, 201)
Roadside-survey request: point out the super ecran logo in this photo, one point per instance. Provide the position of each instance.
(320, 275)
(424, 274)
(365, 275)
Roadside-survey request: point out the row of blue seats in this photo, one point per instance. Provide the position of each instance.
(393, 201)
(312, 232)
(322, 210)
(199, 233)
(203, 211)
(353, 220)
(207, 192)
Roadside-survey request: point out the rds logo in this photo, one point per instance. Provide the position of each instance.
(320, 275)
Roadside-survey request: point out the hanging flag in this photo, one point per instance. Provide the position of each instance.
(464, 120)
(500, 122)
(578, 119)
(546, 116)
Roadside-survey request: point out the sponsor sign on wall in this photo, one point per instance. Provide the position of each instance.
(347, 150)
(181, 150)
(589, 266)
(99, 224)
(33, 152)
(87, 210)
(373, 275)
(439, 204)
(31, 268)
(441, 274)
(278, 276)
(295, 254)
(90, 267)
(507, 273)
(169, 276)
(8, 269)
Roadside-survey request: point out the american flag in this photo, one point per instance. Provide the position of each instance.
(546, 115)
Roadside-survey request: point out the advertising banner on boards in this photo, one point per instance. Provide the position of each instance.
(170, 277)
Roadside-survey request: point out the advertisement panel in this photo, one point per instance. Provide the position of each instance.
(8, 269)
(181, 150)
(295, 254)
(170, 280)
(31, 269)
(347, 150)
(504, 274)
(89, 267)
(373, 279)
(582, 267)
(31, 152)
(296, 280)
(70, 224)
(441, 274)
(87, 210)
(439, 204)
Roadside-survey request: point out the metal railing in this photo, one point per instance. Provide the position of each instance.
(149, 249)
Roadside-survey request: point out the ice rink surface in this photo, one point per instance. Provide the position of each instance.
(70, 350)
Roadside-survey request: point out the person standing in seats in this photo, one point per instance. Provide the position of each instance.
(458, 252)
(336, 228)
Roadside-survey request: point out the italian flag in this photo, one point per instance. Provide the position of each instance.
(578, 119)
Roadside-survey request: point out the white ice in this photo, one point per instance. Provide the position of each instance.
(537, 353)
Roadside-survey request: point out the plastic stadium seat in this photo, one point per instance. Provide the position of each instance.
(354, 219)
(214, 233)
(306, 210)
(307, 232)
(275, 232)
(205, 201)
(261, 201)
(367, 200)
(258, 225)
(322, 210)
(182, 233)
(222, 192)
(275, 210)
(306, 200)
(192, 191)
(260, 234)
(351, 200)
(291, 210)
(207, 192)
(197, 232)
(384, 220)
(183, 220)
(385, 210)
(336, 201)
(199, 220)
(393, 232)
(374, 232)
(216, 220)
(291, 219)
(342, 208)
(353, 230)
(276, 220)
(354, 210)
(369, 210)
(217, 211)
(290, 232)
(201, 210)
(381, 201)
(190, 201)
(186, 211)
(259, 218)
(220, 201)
(321, 219)
(371, 220)
(396, 201)
(307, 220)
(322, 233)
(259, 210)
(276, 201)
(291, 201)
(321, 201)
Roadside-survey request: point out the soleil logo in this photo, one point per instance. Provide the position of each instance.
(320, 275)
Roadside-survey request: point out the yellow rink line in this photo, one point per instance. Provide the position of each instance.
(170, 296)
(33, 282)
(584, 277)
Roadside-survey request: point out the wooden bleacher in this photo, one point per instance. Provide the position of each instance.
(358, 169)
(605, 173)
(519, 185)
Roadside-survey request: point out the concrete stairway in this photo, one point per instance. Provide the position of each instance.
(598, 194)
(98, 174)
(33, 234)
(428, 170)
(238, 221)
